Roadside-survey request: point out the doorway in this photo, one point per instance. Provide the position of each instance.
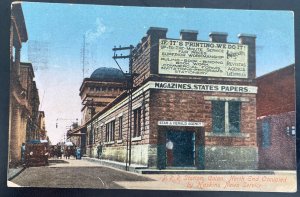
(180, 149)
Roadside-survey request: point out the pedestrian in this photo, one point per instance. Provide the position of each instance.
(68, 152)
(74, 152)
(169, 146)
(46, 155)
(99, 150)
(23, 153)
(78, 153)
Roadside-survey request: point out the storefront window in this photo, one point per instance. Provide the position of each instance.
(234, 116)
(120, 127)
(226, 116)
(218, 116)
(137, 122)
(110, 131)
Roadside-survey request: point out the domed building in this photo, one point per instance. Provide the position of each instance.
(108, 74)
(103, 86)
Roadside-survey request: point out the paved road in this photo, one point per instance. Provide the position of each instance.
(84, 174)
(75, 174)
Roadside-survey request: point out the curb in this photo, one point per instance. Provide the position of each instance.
(205, 172)
(114, 165)
(141, 170)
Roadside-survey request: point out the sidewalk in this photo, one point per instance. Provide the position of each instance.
(13, 172)
(142, 169)
(115, 164)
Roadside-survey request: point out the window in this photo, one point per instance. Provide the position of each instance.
(110, 131)
(94, 135)
(14, 53)
(291, 130)
(218, 116)
(97, 133)
(101, 133)
(234, 116)
(226, 116)
(137, 122)
(120, 127)
(265, 133)
(91, 136)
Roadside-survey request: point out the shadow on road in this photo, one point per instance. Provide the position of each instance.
(55, 161)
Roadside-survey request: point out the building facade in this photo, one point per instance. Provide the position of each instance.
(193, 105)
(96, 92)
(42, 133)
(276, 119)
(103, 86)
(24, 98)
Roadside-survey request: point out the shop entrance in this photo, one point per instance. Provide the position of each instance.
(180, 149)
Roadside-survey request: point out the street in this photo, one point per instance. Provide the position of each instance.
(73, 173)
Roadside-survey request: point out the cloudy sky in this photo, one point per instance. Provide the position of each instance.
(56, 35)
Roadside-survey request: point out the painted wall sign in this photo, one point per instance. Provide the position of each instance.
(179, 57)
(180, 123)
(203, 87)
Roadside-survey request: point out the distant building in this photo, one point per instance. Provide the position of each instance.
(32, 100)
(96, 92)
(276, 119)
(193, 105)
(42, 133)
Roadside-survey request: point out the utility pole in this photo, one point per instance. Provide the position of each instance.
(83, 56)
(129, 78)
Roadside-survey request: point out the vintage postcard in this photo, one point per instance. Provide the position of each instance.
(158, 99)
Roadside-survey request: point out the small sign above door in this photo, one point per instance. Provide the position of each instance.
(180, 123)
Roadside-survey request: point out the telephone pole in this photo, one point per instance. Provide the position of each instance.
(83, 56)
(129, 79)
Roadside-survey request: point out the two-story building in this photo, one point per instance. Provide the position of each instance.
(193, 105)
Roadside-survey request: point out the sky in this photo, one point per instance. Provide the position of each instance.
(56, 34)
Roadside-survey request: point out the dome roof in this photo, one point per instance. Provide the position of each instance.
(107, 74)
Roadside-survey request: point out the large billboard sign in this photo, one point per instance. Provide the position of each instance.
(211, 59)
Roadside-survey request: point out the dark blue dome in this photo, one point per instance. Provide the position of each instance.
(107, 74)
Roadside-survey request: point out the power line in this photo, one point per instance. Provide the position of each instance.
(129, 77)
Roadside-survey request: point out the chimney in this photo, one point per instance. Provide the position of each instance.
(250, 40)
(218, 37)
(190, 35)
(157, 32)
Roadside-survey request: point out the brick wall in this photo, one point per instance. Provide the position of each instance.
(276, 92)
(276, 105)
(116, 150)
(145, 54)
(215, 152)
(141, 60)
(191, 106)
(280, 153)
